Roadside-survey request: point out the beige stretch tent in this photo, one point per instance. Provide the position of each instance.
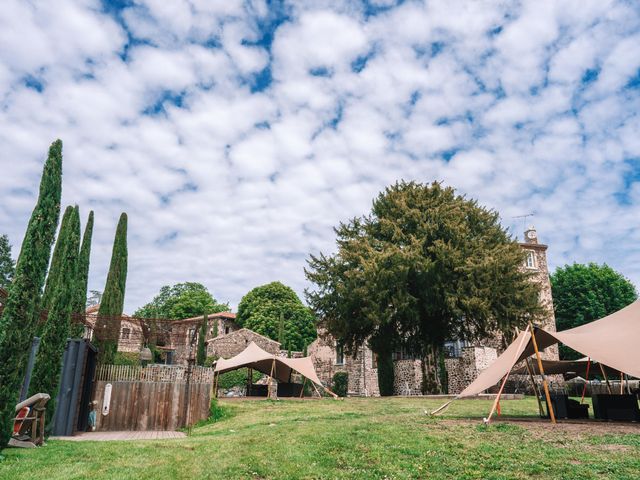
(277, 367)
(580, 367)
(612, 341)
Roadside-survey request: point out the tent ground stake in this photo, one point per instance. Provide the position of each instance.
(544, 377)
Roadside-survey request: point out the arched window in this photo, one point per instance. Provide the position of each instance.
(531, 259)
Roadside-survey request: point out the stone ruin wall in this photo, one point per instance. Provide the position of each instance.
(465, 369)
(407, 377)
(227, 346)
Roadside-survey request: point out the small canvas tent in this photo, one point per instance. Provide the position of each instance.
(612, 341)
(270, 364)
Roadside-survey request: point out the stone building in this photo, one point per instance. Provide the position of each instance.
(464, 360)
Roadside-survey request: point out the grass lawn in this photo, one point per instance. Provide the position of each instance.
(354, 438)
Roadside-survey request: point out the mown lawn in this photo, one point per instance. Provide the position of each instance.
(354, 438)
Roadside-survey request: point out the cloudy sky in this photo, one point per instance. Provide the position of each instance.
(236, 134)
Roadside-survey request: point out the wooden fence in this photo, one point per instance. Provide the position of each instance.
(153, 373)
(156, 397)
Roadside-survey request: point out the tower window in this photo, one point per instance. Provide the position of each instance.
(126, 333)
(339, 353)
(531, 260)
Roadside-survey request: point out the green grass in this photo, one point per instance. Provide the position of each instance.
(355, 438)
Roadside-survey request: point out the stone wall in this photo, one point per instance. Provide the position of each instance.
(465, 369)
(407, 377)
(227, 346)
(363, 377)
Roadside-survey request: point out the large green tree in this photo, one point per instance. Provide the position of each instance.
(584, 293)
(275, 311)
(7, 265)
(182, 300)
(107, 331)
(18, 321)
(425, 266)
(78, 303)
(57, 260)
(46, 373)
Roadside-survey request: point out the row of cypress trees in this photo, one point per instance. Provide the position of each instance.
(64, 293)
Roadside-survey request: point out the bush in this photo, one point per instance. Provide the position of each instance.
(236, 378)
(127, 358)
(209, 361)
(341, 383)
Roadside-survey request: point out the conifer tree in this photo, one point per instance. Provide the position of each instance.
(201, 353)
(18, 321)
(108, 325)
(46, 374)
(7, 265)
(78, 304)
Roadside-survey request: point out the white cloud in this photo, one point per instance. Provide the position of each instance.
(232, 181)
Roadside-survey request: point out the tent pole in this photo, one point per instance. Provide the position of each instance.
(621, 383)
(544, 377)
(273, 366)
(303, 384)
(535, 387)
(584, 390)
(606, 379)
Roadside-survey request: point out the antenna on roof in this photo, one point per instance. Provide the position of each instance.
(524, 219)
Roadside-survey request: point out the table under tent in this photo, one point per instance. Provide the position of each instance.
(281, 369)
(611, 346)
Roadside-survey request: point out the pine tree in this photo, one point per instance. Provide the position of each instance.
(7, 265)
(201, 354)
(46, 374)
(18, 321)
(78, 304)
(57, 260)
(108, 325)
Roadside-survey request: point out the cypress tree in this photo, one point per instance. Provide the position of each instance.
(78, 304)
(46, 374)
(18, 321)
(55, 268)
(7, 265)
(201, 353)
(108, 324)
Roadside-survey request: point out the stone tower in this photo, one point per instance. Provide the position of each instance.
(536, 262)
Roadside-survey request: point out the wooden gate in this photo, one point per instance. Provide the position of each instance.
(152, 398)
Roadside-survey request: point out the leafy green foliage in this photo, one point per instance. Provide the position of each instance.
(57, 260)
(237, 378)
(7, 265)
(21, 312)
(79, 301)
(425, 266)
(131, 359)
(201, 353)
(275, 311)
(55, 331)
(107, 329)
(182, 300)
(584, 293)
(341, 383)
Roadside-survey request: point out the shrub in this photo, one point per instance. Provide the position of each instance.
(209, 361)
(340, 383)
(127, 358)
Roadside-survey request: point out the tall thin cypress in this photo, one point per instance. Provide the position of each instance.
(56, 259)
(201, 353)
(108, 325)
(18, 321)
(78, 304)
(46, 374)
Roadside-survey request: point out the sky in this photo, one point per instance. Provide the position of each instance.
(237, 134)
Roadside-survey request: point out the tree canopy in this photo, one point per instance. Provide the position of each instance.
(425, 266)
(182, 300)
(275, 311)
(7, 265)
(584, 293)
